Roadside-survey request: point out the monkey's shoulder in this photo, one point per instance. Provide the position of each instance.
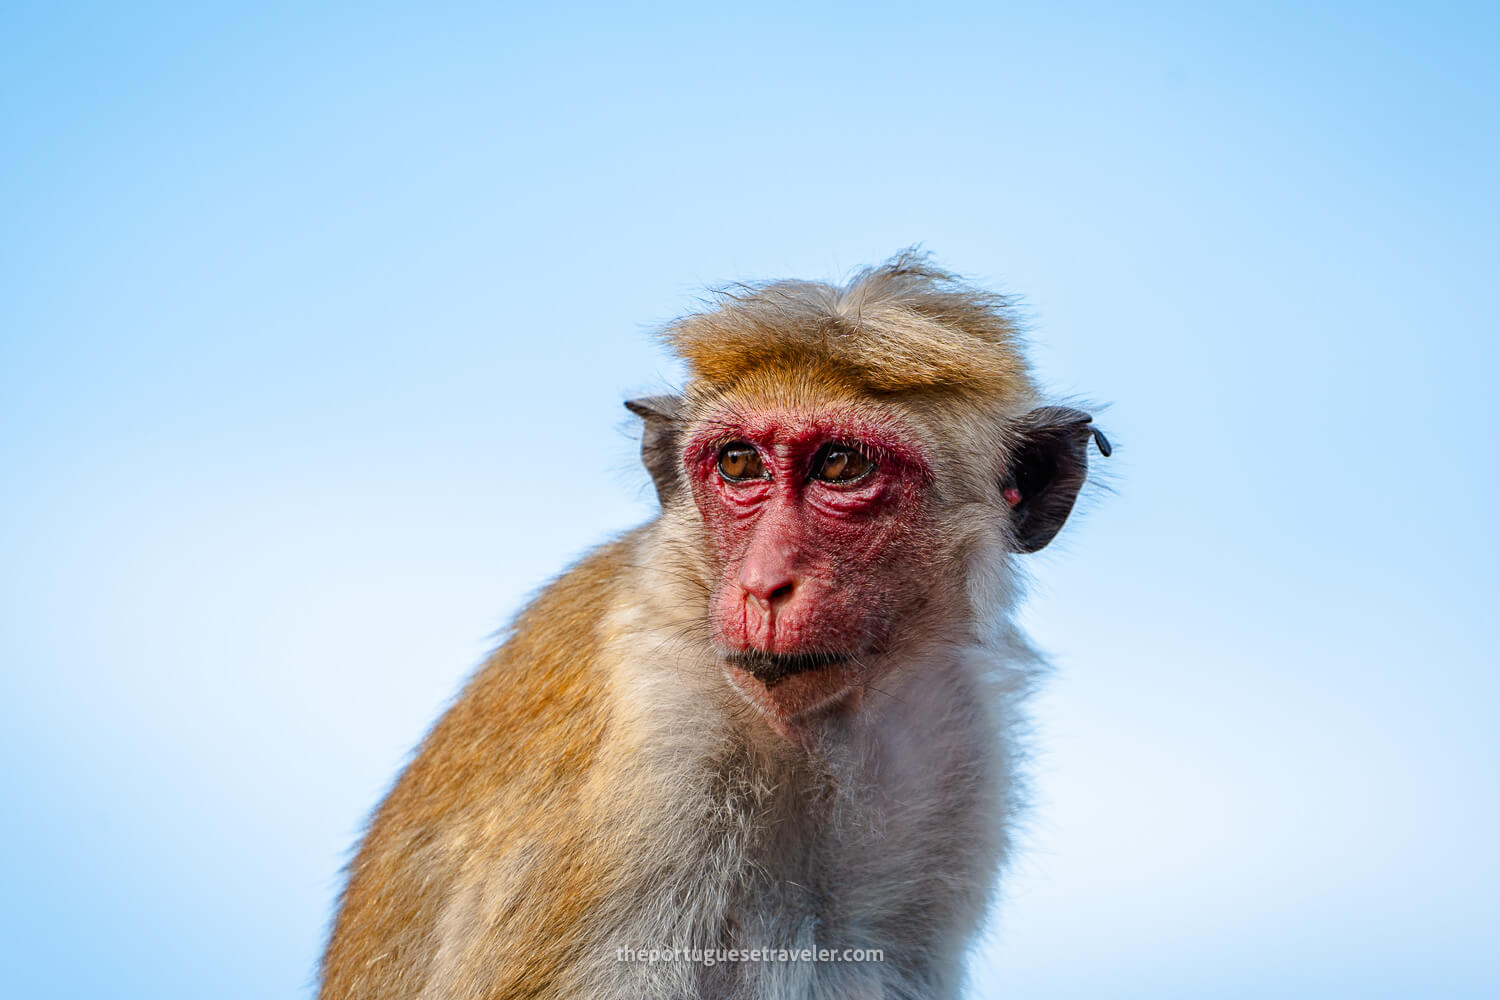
(533, 716)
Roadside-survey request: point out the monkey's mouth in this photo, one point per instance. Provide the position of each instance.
(773, 668)
(792, 690)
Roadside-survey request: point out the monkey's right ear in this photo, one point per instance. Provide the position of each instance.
(659, 441)
(1047, 469)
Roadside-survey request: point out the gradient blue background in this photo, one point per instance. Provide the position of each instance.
(314, 328)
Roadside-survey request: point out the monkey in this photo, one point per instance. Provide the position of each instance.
(771, 735)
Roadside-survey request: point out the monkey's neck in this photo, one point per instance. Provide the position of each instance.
(885, 836)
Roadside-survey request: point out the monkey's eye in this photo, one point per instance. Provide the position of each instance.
(739, 461)
(839, 463)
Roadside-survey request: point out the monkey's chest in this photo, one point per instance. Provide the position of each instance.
(877, 886)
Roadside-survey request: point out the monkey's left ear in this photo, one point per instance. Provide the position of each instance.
(659, 441)
(1047, 469)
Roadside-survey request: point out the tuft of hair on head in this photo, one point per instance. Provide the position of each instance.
(904, 326)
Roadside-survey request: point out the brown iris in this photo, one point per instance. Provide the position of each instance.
(839, 463)
(739, 461)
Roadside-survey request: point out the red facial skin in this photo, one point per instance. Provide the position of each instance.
(809, 566)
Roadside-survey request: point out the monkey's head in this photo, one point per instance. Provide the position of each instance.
(842, 457)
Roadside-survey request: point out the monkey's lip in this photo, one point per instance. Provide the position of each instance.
(791, 689)
(773, 668)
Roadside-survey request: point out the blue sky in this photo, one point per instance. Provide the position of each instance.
(307, 314)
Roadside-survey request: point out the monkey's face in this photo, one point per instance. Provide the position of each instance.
(819, 532)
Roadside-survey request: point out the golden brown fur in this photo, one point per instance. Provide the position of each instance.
(502, 775)
(904, 327)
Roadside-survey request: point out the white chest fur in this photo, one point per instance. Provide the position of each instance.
(859, 869)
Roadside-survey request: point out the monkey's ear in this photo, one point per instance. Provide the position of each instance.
(659, 441)
(1047, 468)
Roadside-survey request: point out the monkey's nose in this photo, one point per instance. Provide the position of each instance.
(768, 576)
(768, 598)
(768, 583)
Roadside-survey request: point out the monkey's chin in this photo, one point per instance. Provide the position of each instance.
(793, 691)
